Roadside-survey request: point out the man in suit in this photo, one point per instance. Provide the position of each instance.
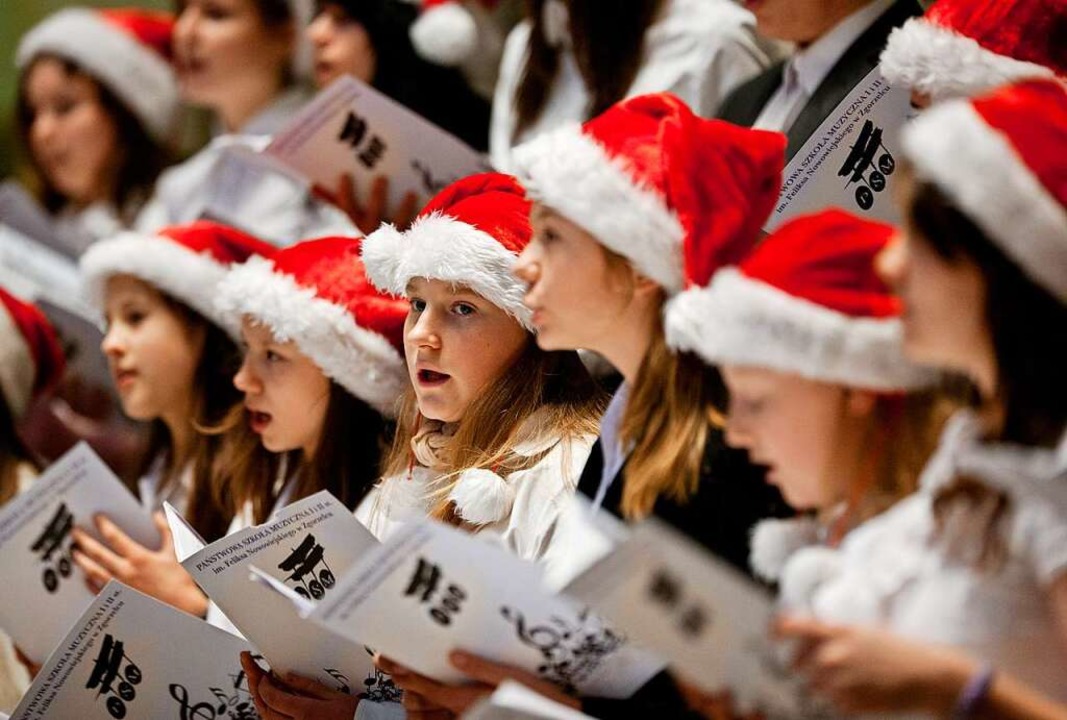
(838, 44)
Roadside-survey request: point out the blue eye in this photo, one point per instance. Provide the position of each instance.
(417, 305)
(463, 309)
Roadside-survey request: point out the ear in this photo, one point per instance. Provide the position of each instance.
(643, 285)
(860, 403)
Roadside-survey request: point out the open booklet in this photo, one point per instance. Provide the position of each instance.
(306, 548)
(851, 160)
(432, 588)
(711, 622)
(129, 655)
(45, 590)
(352, 128)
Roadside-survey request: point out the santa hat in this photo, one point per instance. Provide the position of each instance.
(960, 48)
(127, 50)
(807, 301)
(1002, 159)
(446, 31)
(31, 360)
(317, 295)
(186, 262)
(648, 178)
(470, 234)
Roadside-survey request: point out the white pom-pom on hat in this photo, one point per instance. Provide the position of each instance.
(482, 497)
(445, 32)
(775, 541)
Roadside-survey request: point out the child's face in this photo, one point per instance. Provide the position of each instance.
(809, 434)
(457, 344)
(72, 137)
(944, 318)
(342, 46)
(286, 394)
(153, 351)
(578, 299)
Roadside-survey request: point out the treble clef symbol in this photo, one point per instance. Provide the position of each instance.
(200, 711)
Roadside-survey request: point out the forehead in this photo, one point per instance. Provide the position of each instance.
(439, 289)
(121, 288)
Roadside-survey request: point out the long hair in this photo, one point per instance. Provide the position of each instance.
(552, 388)
(353, 438)
(215, 396)
(440, 94)
(608, 49)
(141, 158)
(13, 454)
(1031, 353)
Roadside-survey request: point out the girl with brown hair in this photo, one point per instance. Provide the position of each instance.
(975, 561)
(492, 431)
(97, 104)
(171, 356)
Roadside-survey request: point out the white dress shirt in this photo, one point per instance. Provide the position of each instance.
(805, 71)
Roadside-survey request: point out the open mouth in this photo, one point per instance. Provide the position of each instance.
(258, 420)
(124, 377)
(432, 378)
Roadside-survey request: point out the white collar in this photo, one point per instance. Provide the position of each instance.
(813, 63)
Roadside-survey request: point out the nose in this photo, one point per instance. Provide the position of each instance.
(318, 30)
(246, 379)
(891, 262)
(526, 267)
(736, 436)
(114, 343)
(423, 331)
(185, 29)
(44, 126)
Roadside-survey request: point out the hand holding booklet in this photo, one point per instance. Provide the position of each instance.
(305, 549)
(352, 128)
(711, 622)
(130, 656)
(45, 589)
(433, 588)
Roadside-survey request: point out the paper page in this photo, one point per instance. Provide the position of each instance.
(22, 213)
(707, 619)
(132, 656)
(583, 536)
(514, 701)
(187, 540)
(45, 589)
(33, 270)
(305, 548)
(434, 588)
(352, 128)
(852, 160)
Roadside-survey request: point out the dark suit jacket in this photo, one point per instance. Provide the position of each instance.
(743, 105)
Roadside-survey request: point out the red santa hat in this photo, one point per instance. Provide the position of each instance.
(1002, 159)
(807, 301)
(31, 359)
(446, 31)
(470, 234)
(960, 48)
(648, 178)
(127, 50)
(186, 262)
(317, 295)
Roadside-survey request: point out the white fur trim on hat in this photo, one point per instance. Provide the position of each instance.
(360, 360)
(952, 146)
(943, 63)
(438, 247)
(445, 34)
(188, 277)
(741, 321)
(568, 171)
(137, 75)
(17, 368)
